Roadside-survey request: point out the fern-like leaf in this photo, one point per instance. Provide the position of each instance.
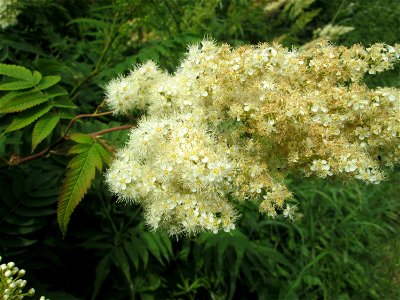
(102, 271)
(80, 173)
(27, 79)
(36, 78)
(16, 85)
(137, 245)
(48, 81)
(28, 117)
(104, 154)
(22, 101)
(15, 72)
(90, 22)
(82, 138)
(153, 245)
(56, 91)
(7, 97)
(43, 128)
(63, 102)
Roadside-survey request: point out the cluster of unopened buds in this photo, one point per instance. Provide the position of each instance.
(230, 124)
(12, 284)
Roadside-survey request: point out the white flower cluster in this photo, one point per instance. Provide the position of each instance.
(230, 124)
(178, 172)
(8, 13)
(133, 91)
(12, 284)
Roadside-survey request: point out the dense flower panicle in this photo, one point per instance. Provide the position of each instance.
(230, 124)
(8, 13)
(176, 169)
(127, 93)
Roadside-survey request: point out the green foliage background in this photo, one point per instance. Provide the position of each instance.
(344, 244)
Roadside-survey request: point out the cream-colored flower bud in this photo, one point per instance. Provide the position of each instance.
(7, 273)
(31, 292)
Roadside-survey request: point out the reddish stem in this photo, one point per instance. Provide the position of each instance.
(16, 160)
(101, 132)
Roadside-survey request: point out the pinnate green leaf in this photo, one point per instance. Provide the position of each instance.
(27, 117)
(82, 138)
(166, 241)
(79, 148)
(80, 173)
(43, 128)
(121, 260)
(66, 114)
(36, 77)
(55, 91)
(22, 101)
(132, 253)
(63, 102)
(15, 72)
(90, 22)
(7, 97)
(16, 241)
(150, 240)
(48, 81)
(102, 271)
(27, 79)
(137, 245)
(16, 85)
(104, 153)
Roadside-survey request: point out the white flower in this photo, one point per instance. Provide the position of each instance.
(321, 167)
(362, 133)
(270, 125)
(369, 175)
(289, 211)
(315, 108)
(250, 71)
(351, 166)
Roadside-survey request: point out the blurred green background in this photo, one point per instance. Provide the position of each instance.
(344, 243)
